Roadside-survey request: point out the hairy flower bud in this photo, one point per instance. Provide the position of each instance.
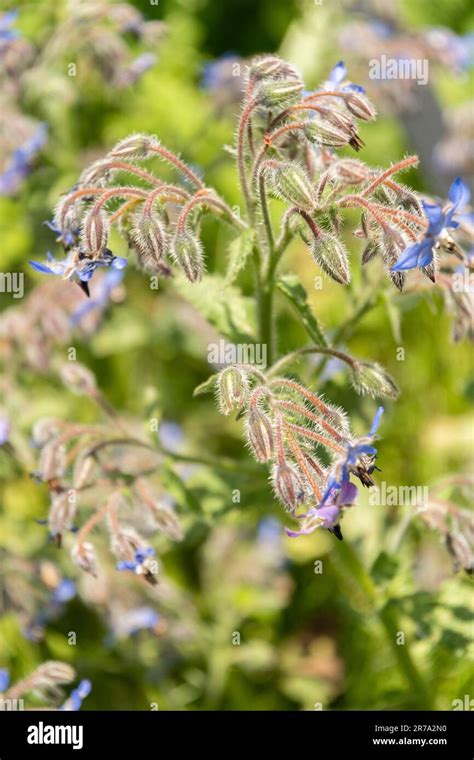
(349, 171)
(331, 256)
(135, 146)
(279, 93)
(187, 253)
(149, 237)
(323, 133)
(374, 380)
(359, 106)
(94, 232)
(61, 514)
(232, 389)
(288, 486)
(83, 555)
(272, 67)
(260, 435)
(291, 183)
(78, 378)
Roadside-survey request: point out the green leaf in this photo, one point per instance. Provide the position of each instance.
(239, 251)
(290, 286)
(206, 387)
(223, 306)
(384, 568)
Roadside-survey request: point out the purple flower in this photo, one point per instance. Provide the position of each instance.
(439, 223)
(328, 513)
(77, 696)
(4, 679)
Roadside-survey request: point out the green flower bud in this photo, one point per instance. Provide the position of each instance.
(187, 253)
(280, 93)
(291, 183)
(260, 435)
(331, 256)
(373, 380)
(232, 389)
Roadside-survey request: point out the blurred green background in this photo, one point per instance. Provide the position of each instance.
(306, 639)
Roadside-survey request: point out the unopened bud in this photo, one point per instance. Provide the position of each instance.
(83, 555)
(323, 133)
(149, 236)
(359, 106)
(78, 378)
(291, 183)
(260, 435)
(288, 486)
(187, 253)
(350, 171)
(272, 67)
(232, 389)
(135, 146)
(331, 256)
(374, 380)
(280, 93)
(95, 232)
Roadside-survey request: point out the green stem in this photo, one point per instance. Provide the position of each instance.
(390, 623)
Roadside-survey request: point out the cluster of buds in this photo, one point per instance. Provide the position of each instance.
(306, 442)
(160, 220)
(88, 466)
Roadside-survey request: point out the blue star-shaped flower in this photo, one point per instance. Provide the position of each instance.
(439, 222)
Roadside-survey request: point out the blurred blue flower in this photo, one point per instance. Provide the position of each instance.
(439, 223)
(216, 73)
(171, 436)
(6, 22)
(4, 679)
(77, 696)
(64, 591)
(5, 427)
(67, 237)
(138, 619)
(20, 162)
(136, 564)
(101, 297)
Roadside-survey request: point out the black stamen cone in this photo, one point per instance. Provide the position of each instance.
(336, 531)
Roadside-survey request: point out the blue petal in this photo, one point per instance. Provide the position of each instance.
(459, 193)
(376, 421)
(435, 216)
(84, 688)
(338, 73)
(126, 565)
(4, 679)
(118, 262)
(41, 267)
(411, 256)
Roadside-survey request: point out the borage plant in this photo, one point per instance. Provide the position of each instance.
(286, 146)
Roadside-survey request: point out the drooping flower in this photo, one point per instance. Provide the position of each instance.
(440, 221)
(328, 513)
